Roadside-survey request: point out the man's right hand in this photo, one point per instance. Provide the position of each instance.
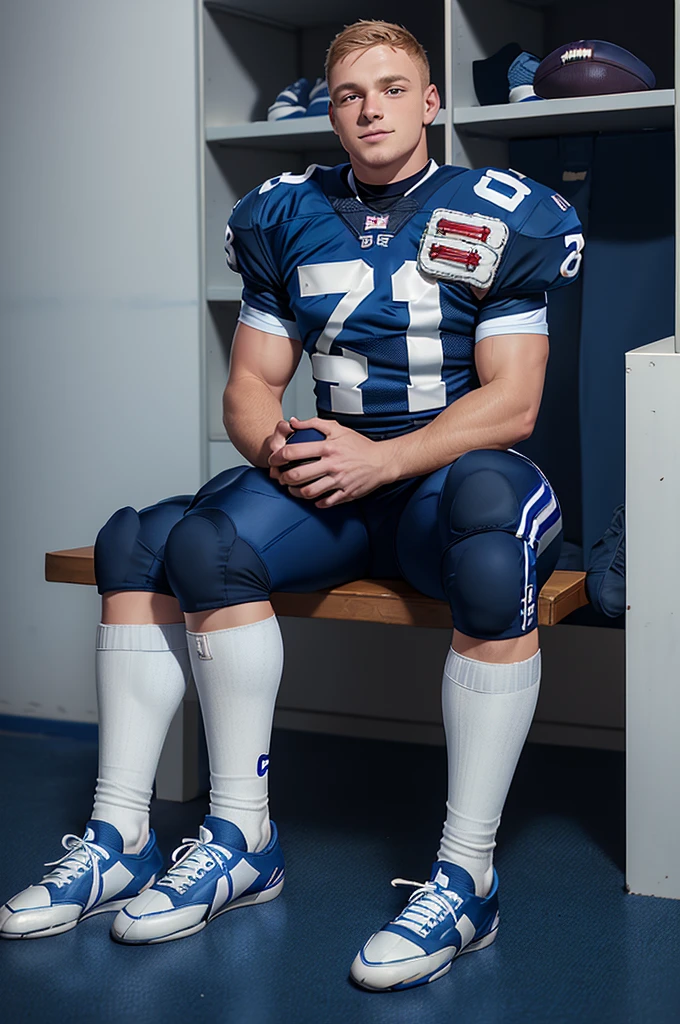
(276, 441)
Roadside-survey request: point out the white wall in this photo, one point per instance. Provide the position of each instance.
(99, 317)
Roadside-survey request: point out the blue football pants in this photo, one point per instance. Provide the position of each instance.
(483, 534)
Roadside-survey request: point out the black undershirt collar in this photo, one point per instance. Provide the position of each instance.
(382, 197)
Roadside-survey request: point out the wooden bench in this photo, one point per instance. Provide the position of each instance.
(392, 602)
(182, 769)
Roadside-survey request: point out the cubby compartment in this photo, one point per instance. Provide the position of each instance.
(220, 324)
(246, 63)
(250, 57)
(540, 26)
(229, 174)
(219, 329)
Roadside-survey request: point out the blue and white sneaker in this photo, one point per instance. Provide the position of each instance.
(442, 919)
(94, 876)
(210, 875)
(291, 101)
(521, 78)
(318, 99)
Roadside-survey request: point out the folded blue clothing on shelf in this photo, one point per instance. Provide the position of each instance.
(318, 99)
(301, 99)
(505, 76)
(290, 102)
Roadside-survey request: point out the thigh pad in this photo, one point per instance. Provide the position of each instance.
(246, 536)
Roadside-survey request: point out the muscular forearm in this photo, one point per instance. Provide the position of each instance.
(251, 413)
(493, 416)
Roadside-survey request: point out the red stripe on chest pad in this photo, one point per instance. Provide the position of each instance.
(470, 260)
(454, 227)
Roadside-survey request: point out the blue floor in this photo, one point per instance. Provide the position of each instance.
(573, 946)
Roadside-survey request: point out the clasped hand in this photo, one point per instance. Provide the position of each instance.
(350, 465)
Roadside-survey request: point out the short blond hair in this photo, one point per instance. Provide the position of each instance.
(364, 34)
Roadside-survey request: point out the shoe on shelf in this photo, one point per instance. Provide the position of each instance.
(94, 876)
(291, 101)
(318, 99)
(442, 919)
(210, 875)
(521, 78)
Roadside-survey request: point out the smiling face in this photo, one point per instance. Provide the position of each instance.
(379, 110)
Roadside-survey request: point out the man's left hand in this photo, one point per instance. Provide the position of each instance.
(350, 465)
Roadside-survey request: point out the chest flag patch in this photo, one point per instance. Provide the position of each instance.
(378, 222)
(463, 247)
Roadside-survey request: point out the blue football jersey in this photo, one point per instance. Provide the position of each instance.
(389, 304)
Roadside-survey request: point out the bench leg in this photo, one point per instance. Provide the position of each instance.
(183, 767)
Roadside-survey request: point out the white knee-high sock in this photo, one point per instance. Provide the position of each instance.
(237, 673)
(487, 710)
(142, 673)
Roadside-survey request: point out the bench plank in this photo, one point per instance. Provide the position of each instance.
(74, 565)
(392, 602)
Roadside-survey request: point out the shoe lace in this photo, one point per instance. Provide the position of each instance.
(81, 856)
(427, 907)
(190, 862)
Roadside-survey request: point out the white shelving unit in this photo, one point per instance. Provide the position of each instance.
(634, 111)
(251, 48)
(249, 51)
(653, 607)
(300, 133)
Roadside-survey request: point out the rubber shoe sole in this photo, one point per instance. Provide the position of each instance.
(68, 926)
(361, 972)
(243, 901)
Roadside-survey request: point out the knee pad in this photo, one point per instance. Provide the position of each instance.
(496, 490)
(484, 490)
(128, 552)
(124, 559)
(210, 566)
(490, 581)
(114, 550)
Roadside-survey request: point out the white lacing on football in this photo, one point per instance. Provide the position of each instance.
(426, 907)
(81, 856)
(190, 862)
(577, 53)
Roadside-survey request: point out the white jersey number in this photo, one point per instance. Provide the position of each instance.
(427, 389)
(485, 190)
(354, 279)
(287, 178)
(345, 372)
(571, 265)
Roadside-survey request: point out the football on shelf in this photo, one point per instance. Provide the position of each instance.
(591, 67)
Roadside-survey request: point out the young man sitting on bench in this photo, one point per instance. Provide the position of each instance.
(419, 293)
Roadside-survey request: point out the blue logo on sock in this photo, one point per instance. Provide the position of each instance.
(262, 764)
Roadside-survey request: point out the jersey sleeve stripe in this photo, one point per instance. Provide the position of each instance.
(533, 321)
(268, 323)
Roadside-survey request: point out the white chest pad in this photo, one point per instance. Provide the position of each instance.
(463, 247)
